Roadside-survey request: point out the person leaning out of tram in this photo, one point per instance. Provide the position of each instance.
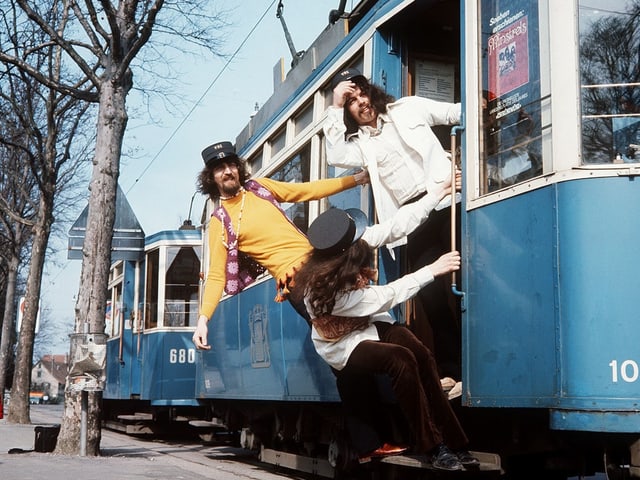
(393, 139)
(240, 246)
(353, 331)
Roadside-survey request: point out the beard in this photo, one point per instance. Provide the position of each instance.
(229, 187)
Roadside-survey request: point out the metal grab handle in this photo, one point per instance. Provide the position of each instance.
(454, 132)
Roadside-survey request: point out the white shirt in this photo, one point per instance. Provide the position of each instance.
(377, 300)
(399, 166)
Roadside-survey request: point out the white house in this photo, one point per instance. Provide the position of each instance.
(48, 378)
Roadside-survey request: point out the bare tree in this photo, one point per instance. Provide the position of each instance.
(15, 239)
(101, 40)
(15, 234)
(47, 126)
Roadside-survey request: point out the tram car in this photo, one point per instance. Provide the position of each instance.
(548, 149)
(151, 316)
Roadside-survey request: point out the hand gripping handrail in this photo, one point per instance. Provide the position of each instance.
(454, 132)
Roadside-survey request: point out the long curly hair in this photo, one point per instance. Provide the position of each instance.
(207, 185)
(323, 277)
(378, 98)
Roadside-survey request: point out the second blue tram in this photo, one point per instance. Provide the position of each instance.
(151, 316)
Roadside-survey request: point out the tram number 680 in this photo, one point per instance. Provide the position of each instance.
(628, 371)
(182, 355)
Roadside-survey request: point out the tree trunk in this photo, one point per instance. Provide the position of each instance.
(96, 257)
(19, 405)
(9, 321)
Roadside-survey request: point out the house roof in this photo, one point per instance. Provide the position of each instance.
(56, 365)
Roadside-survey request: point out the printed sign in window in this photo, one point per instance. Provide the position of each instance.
(434, 80)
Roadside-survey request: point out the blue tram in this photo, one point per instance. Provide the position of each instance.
(151, 315)
(549, 149)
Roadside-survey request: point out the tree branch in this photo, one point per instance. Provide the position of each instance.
(67, 46)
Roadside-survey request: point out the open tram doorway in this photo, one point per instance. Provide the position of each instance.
(417, 53)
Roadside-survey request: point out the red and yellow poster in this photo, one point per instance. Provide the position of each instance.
(509, 58)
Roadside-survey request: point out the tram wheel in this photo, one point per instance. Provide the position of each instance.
(616, 465)
(340, 454)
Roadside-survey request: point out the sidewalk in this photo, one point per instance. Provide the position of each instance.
(123, 458)
(33, 465)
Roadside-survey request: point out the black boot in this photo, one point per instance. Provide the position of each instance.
(445, 459)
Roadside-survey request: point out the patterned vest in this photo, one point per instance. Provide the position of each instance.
(242, 270)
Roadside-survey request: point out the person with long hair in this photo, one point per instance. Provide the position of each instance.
(353, 331)
(394, 140)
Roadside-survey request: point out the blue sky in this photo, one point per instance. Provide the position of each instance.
(160, 181)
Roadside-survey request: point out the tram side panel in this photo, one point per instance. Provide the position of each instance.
(551, 320)
(509, 326)
(168, 367)
(261, 350)
(599, 335)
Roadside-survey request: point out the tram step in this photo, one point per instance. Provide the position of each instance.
(316, 466)
(128, 429)
(215, 424)
(136, 417)
(489, 462)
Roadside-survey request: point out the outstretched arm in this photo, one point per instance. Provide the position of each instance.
(408, 217)
(375, 299)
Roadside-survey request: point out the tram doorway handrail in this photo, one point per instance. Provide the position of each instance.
(454, 131)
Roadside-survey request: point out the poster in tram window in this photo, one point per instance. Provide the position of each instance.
(509, 58)
(510, 66)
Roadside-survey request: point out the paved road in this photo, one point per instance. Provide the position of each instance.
(125, 457)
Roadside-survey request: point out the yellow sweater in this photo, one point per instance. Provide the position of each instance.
(264, 234)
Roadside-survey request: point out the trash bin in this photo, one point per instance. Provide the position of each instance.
(46, 437)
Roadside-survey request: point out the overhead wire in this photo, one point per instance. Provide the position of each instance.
(204, 94)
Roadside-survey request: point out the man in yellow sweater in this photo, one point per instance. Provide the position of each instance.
(250, 222)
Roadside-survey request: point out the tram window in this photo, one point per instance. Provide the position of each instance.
(350, 198)
(303, 119)
(116, 311)
(116, 271)
(113, 310)
(610, 97)
(278, 142)
(151, 290)
(255, 162)
(108, 319)
(297, 169)
(181, 287)
(327, 95)
(513, 92)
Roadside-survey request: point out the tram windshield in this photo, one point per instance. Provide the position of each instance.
(610, 78)
(181, 287)
(177, 268)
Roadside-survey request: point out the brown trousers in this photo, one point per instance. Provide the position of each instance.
(415, 382)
